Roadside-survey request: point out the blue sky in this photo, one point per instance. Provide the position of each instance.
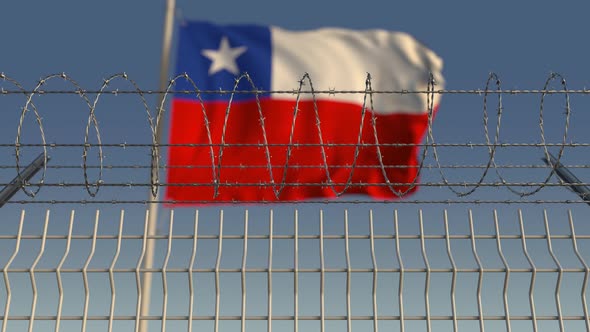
(522, 42)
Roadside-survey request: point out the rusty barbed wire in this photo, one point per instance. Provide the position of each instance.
(91, 99)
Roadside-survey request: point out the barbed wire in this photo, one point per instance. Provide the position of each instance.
(329, 145)
(306, 184)
(305, 87)
(426, 166)
(187, 202)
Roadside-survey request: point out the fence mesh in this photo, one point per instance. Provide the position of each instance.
(491, 240)
(315, 274)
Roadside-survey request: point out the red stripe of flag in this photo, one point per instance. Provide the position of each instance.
(244, 174)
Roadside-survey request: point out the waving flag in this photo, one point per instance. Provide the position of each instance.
(261, 147)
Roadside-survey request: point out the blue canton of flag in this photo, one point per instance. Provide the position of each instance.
(214, 56)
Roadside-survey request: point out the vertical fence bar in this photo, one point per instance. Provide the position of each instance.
(269, 277)
(348, 273)
(191, 287)
(401, 274)
(164, 270)
(138, 312)
(507, 273)
(217, 266)
(7, 266)
(322, 276)
(427, 280)
(243, 273)
(559, 274)
(111, 272)
(480, 272)
(32, 272)
(586, 270)
(296, 272)
(58, 273)
(454, 277)
(375, 270)
(85, 272)
(533, 275)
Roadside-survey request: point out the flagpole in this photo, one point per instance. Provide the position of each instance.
(153, 205)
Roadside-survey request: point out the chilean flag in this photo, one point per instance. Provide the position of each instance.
(281, 145)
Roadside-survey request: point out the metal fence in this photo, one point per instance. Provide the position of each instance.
(212, 278)
(507, 251)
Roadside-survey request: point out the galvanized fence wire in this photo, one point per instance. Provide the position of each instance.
(397, 318)
(429, 149)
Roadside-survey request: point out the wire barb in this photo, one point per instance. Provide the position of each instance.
(277, 172)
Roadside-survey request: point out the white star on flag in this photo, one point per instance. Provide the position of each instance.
(224, 58)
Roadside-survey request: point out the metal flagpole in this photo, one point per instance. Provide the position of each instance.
(153, 206)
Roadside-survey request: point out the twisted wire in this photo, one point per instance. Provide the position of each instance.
(17, 142)
(492, 144)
